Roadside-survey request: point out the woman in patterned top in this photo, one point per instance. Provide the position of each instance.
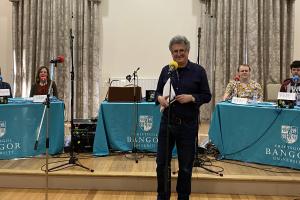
(243, 86)
(42, 83)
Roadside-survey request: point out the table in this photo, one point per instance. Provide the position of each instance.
(260, 133)
(19, 123)
(115, 127)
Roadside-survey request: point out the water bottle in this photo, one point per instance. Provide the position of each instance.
(298, 99)
(254, 97)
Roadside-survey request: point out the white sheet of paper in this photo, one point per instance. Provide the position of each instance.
(286, 96)
(4, 92)
(39, 98)
(166, 92)
(239, 100)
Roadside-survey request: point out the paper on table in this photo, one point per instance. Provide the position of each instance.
(166, 92)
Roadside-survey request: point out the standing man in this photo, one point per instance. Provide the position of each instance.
(191, 91)
(293, 84)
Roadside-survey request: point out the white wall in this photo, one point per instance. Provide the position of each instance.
(6, 60)
(297, 31)
(136, 34)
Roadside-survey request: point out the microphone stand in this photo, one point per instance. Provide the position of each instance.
(135, 117)
(198, 162)
(73, 161)
(197, 159)
(46, 111)
(167, 174)
(198, 49)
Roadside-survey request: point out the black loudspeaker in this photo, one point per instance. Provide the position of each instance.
(84, 134)
(150, 95)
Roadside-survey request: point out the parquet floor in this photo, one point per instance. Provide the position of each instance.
(119, 164)
(30, 194)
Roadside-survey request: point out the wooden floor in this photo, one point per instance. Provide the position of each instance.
(121, 165)
(30, 194)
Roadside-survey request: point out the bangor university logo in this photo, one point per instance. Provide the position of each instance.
(146, 122)
(289, 134)
(2, 128)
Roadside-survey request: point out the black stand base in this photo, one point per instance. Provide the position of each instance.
(73, 162)
(200, 163)
(135, 156)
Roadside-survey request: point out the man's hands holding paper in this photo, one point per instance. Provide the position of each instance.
(182, 98)
(163, 101)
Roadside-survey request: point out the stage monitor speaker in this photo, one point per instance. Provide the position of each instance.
(124, 94)
(84, 134)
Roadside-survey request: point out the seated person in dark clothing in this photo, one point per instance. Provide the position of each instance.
(4, 85)
(292, 85)
(42, 83)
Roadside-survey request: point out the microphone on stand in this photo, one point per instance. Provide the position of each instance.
(44, 78)
(173, 66)
(128, 78)
(136, 70)
(295, 79)
(237, 78)
(58, 59)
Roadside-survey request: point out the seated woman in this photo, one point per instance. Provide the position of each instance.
(243, 86)
(42, 83)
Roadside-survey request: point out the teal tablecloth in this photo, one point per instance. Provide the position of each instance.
(19, 122)
(115, 129)
(260, 134)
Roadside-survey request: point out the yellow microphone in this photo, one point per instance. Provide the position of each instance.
(173, 65)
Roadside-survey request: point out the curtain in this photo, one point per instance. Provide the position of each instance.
(86, 57)
(41, 31)
(254, 32)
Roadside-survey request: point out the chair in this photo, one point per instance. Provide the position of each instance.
(272, 91)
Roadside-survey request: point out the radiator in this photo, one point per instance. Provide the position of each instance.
(144, 83)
